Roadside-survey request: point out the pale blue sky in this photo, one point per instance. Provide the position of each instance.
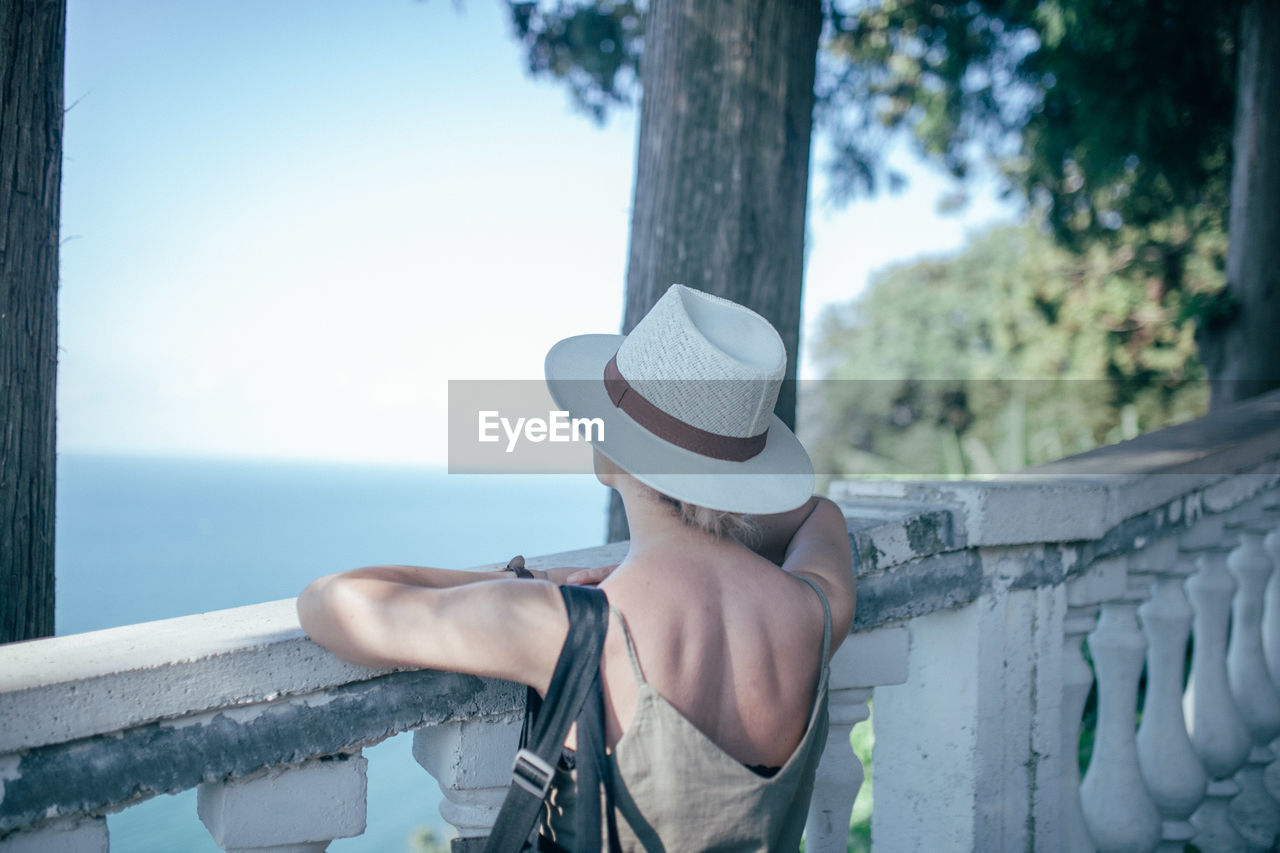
(287, 224)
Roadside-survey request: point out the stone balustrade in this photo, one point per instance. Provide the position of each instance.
(989, 613)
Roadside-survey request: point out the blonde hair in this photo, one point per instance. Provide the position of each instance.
(718, 523)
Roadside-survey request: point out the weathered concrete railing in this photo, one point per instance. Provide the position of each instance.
(977, 750)
(974, 599)
(243, 705)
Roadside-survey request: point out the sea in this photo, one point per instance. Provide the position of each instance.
(142, 538)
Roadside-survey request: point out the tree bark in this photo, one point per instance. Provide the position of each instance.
(32, 41)
(722, 162)
(1242, 351)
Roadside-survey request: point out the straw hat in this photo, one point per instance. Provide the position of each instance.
(687, 402)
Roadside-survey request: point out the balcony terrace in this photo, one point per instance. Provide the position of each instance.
(976, 601)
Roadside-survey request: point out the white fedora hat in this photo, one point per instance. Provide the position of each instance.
(687, 402)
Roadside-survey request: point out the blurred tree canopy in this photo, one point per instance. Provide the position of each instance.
(1013, 351)
(1113, 121)
(1107, 114)
(593, 47)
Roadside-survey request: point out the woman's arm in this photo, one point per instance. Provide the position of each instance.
(777, 530)
(431, 577)
(405, 616)
(819, 548)
(441, 578)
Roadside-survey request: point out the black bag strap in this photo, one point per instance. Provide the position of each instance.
(577, 672)
(593, 771)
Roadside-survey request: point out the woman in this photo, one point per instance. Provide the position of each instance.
(713, 674)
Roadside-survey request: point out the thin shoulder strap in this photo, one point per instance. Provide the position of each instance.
(826, 616)
(631, 646)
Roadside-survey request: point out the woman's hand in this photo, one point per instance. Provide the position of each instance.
(575, 575)
(445, 578)
(562, 575)
(778, 530)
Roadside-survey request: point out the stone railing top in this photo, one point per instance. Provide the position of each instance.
(63, 688)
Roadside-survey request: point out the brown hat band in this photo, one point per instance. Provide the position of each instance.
(670, 428)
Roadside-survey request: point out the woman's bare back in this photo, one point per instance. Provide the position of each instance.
(724, 636)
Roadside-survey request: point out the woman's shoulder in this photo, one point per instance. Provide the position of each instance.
(821, 552)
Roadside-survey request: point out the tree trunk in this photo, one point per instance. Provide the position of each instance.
(1242, 352)
(722, 162)
(32, 39)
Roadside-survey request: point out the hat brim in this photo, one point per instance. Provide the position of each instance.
(777, 479)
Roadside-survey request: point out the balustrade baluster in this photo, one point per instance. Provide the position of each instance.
(471, 761)
(1174, 776)
(1254, 812)
(1077, 678)
(865, 661)
(1120, 814)
(1271, 617)
(67, 835)
(287, 809)
(840, 773)
(1218, 733)
(1271, 612)
(1084, 592)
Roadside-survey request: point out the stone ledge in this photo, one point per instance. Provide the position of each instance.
(999, 512)
(889, 533)
(66, 688)
(110, 771)
(938, 582)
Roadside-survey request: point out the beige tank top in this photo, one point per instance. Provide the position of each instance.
(675, 789)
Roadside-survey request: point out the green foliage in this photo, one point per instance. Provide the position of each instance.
(424, 840)
(1113, 120)
(1111, 113)
(863, 740)
(593, 47)
(1009, 353)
